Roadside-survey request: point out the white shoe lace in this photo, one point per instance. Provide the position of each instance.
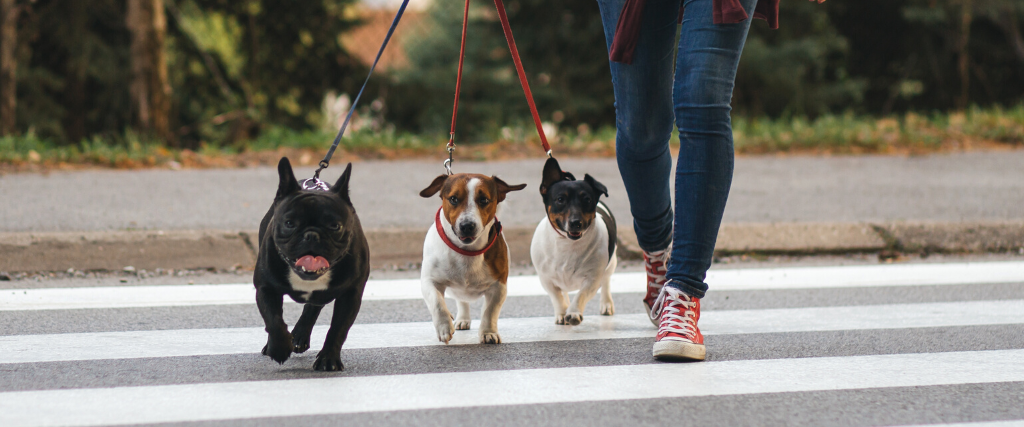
(677, 316)
(656, 274)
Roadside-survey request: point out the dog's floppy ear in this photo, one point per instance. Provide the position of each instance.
(552, 174)
(434, 187)
(341, 187)
(288, 184)
(504, 188)
(599, 187)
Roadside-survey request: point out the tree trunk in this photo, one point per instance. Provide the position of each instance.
(8, 66)
(150, 89)
(1006, 19)
(964, 55)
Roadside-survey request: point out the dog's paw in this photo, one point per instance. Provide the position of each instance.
(462, 325)
(279, 349)
(573, 319)
(560, 320)
(445, 330)
(607, 308)
(300, 342)
(490, 338)
(328, 362)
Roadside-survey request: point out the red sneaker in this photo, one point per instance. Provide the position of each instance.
(655, 263)
(678, 336)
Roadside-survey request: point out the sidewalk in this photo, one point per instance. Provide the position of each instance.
(970, 202)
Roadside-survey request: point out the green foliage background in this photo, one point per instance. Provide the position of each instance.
(244, 68)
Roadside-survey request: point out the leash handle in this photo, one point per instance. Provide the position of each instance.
(337, 140)
(522, 74)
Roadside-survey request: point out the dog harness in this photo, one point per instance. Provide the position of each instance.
(460, 251)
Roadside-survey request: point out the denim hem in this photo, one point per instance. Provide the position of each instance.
(695, 289)
(663, 245)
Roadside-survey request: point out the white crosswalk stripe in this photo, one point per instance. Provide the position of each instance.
(187, 342)
(277, 392)
(218, 401)
(719, 280)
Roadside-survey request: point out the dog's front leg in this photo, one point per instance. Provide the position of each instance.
(279, 341)
(493, 299)
(607, 305)
(579, 302)
(433, 295)
(462, 317)
(304, 327)
(558, 301)
(346, 307)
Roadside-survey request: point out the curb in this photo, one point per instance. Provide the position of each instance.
(220, 250)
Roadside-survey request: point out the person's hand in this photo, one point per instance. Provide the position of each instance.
(819, 1)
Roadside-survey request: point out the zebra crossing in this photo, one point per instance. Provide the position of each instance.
(937, 344)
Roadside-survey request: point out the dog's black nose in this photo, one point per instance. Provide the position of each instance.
(467, 229)
(311, 236)
(575, 225)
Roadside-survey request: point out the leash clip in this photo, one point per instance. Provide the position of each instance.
(451, 151)
(314, 184)
(323, 165)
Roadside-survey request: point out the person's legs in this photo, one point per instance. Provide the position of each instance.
(702, 93)
(643, 119)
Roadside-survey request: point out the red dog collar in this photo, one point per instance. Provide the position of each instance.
(447, 241)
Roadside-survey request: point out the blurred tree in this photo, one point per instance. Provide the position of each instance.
(281, 59)
(10, 11)
(798, 69)
(150, 90)
(73, 69)
(913, 53)
(86, 67)
(562, 46)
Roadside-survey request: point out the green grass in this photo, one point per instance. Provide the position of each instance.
(848, 133)
(125, 152)
(358, 141)
(842, 133)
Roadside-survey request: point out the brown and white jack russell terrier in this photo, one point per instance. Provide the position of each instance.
(465, 254)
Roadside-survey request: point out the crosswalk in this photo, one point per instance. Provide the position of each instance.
(854, 345)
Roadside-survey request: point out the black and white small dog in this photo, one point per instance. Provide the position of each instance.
(573, 248)
(312, 249)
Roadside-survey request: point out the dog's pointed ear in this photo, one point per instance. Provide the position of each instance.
(552, 174)
(504, 188)
(341, 187)
(434, 187)
(288, 184)
(599, 187)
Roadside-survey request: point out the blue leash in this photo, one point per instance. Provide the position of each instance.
(315, 183)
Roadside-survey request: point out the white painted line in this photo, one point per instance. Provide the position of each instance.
(719, 280)
(198, 342)
(342, 395)
(1010, 423)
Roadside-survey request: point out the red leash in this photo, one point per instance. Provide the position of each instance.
(519, 70)
(458, 85)
(522, 74)
(447, 241)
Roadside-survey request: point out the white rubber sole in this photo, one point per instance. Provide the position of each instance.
(653, 320)
(678, 350)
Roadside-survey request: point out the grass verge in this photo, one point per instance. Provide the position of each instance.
(912, 133)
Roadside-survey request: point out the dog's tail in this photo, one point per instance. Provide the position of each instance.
(609, 223)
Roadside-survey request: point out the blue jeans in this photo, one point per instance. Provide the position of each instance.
(649, 97)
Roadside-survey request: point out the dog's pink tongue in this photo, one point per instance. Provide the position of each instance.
(311, 263)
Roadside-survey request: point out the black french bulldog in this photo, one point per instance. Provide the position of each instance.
(311, 248)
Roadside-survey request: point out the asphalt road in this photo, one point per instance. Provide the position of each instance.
(796, 346)
(945, 187)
